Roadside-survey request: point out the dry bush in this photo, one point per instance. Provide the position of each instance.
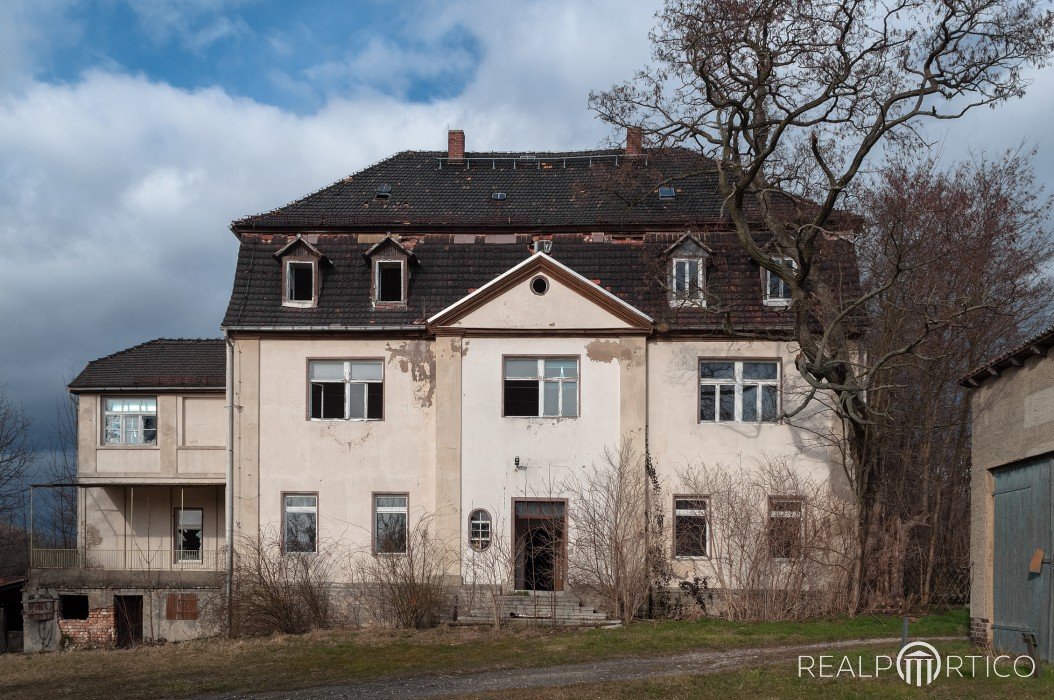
(411, 589)
(763, 567)
(283, 592)
(610, 557)
(490, 573)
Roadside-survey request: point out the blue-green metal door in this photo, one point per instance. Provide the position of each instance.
(1022, 599)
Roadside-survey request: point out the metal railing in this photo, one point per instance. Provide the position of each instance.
(128, 559)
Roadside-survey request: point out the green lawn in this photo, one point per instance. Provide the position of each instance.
(781, 681)
(276, 663)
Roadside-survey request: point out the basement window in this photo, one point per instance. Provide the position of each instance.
(390, 281)
(73, 607)
(299, 283)
(346, 389)
(181, 606)
(541, 387)
(691, 526)
(300, 516)
(786, 533)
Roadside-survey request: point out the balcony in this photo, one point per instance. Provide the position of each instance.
(128, 559)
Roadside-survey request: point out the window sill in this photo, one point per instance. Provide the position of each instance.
(776, 302)
(299, 304)
(390, 305)
(345, 420)
(127, 447)
(542, 417)
(687, 303)
(739, 422)
(686, 558)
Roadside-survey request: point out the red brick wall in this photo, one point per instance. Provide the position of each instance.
(97, 630)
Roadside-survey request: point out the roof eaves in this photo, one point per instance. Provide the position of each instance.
(1038, 345)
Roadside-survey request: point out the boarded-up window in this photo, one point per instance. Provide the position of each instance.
(181, 606)
(786, 531)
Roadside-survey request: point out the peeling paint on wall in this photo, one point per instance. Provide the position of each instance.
(417, 358)
(608, 351)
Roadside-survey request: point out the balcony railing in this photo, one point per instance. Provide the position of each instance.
(128, 559)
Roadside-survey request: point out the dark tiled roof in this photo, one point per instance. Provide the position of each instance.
(1042, 341)
(162, 363)
(631, 268)
(546, 191)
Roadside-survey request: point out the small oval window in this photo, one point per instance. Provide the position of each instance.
(479, 529)
(539, 285)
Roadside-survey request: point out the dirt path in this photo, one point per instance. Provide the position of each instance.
(614, 670)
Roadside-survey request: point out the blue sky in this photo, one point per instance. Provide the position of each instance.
(132, 133)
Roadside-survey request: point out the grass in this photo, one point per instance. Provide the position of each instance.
(285, 662)
(782, 681)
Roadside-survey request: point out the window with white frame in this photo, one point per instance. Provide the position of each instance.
(479, 531)
(541, 386)
(738, 391)
(786, 532)
(389, 282)
(346, 389)
(299, 283)
(390, 523)
(777, 291)
(691, 526)
(130, 421)
(188, 534)
(301, 522)
(686, 281)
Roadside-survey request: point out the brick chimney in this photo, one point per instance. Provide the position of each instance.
(634, 141)
(455, 144)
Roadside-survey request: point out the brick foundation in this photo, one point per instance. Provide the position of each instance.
(979, 631)
(97, 630)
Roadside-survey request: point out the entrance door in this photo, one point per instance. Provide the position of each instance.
(128, 619)
(539, 545)
(1022, 598)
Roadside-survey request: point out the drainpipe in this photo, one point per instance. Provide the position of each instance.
(229, 483)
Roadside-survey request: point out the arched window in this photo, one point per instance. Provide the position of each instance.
(479, 529)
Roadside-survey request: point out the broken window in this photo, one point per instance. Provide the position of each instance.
(131, 421)
(389, 281)
(188, 534)
(479, 529)
(691, 526)
(541, 387)
(777, 291)
(738, 391)
(347, 389)
(301, 522)
(686, 280)
(181, 606)
(786, 534)
(299, 283)
(389, 517)
(73, 607)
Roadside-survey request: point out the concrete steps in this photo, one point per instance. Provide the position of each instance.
(540, 607)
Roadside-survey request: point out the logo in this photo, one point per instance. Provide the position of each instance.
(918, 663)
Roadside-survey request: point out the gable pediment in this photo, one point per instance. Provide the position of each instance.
(541, 294)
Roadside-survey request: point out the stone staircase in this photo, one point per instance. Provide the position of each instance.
(542, 608)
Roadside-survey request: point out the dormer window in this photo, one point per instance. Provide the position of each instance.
(390, 281)
(686, 282)
(299, 283)
(777, 291)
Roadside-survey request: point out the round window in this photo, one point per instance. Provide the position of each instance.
(479, 529)
(539, 285)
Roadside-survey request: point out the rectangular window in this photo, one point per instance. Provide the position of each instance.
(130, 421)
(347, 389)
(301, 522)
(181, 606)
(777, 291)
(786, 533)
(541, 386)
(299, 283)
(389, 281)
(691, 527)
(743, 391)
(389, 517)
(188, 534)
(686, 282)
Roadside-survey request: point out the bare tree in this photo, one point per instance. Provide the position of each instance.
(56, 521)
(488, 563)
(610, 552)
(789, 99)
(16, 456)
